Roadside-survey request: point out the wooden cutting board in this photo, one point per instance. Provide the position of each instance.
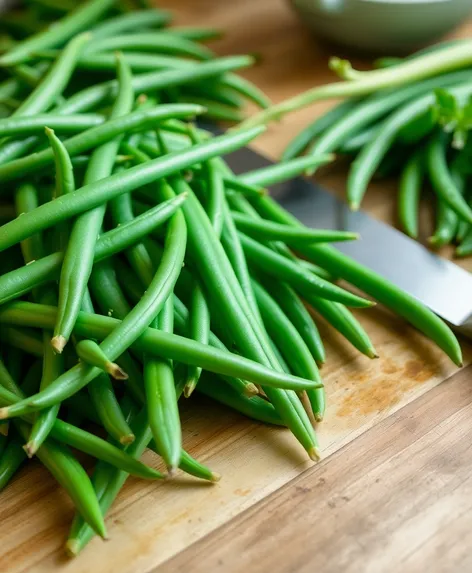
(153, 522)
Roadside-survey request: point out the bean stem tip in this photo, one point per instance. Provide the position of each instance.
(127, 439)
(115, 371)
(58, 343)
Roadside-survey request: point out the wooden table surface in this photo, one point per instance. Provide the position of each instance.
(394, 489)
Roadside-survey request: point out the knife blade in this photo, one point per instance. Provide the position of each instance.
(440, 284)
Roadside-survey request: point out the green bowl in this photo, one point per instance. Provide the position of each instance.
(382, 26)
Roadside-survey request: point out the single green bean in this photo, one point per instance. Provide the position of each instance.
(163, 413)
(159, 42)
(130, 22)
(267, 230)
(409, 193)
(62, 123)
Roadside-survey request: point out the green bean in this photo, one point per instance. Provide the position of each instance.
(199, 330)
(409, 193)
(277, 172)
(446, 226)
(373, 284)
(320, 125)
(64, 29)
(65, 182)
(89, 352)
(355, 143)
(297, 313)
(213, 109)
(157, 343)
(163, 413)
(54, 81)
(419, 127)
(195, 34)
(109, 412)
(369, 158)
(363, 83)
(35, 124)
(267, 230)
(276, 265)
(78, 258)
(236, 256)
(137, 255)
(214, 92)
(20, 281)
(465, 248)
(253, 407)
(53, 366)
(26, 200)
(26, 340)
(95, 136)
(129, 22)
(11, 460)
(441, 178)
(159, 42)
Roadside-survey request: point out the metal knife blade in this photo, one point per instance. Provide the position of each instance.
(441, 285)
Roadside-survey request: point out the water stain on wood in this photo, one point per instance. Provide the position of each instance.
(385, 388)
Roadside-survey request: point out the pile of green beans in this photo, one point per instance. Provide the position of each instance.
(137, 268)
(390, 123)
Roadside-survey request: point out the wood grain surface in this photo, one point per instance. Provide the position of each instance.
(152, 523)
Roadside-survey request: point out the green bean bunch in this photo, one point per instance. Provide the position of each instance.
(408, 118)
(137, 268)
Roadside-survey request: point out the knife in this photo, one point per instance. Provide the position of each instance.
(439, 284)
